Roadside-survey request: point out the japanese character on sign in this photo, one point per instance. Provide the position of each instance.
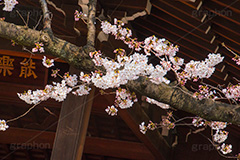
(6, 64)
(27, 68)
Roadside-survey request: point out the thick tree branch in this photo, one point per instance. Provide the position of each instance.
(46, 17)
(74, 55)
(178, 99)
(91, 23)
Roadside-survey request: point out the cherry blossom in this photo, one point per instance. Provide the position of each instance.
(57, 91)
(55, 72)
(220, 136)
(85, 77)
(9, 5)
(60, 91)
(232, 92)
(82, 90)
(205, 92)
(225, 149)
(216, 125)
(198, 122)
(151, 125)
(71, 80)
(111, 110)
(39, 47)
(143, 128)
(236, 59)
(124, 99)
(202, 69)
(167, 123)
(78, 15)
(3, 125)
(47, 62)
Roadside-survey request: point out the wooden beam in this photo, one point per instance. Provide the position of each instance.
(153, 140)
(179, 24)
(93, 145)
(126, 5)
(72, 126)
(223, 11)
(233, 5)
(19, 136)
(117, 148)
(178, 14)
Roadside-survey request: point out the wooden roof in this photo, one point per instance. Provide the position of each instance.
(198, 27)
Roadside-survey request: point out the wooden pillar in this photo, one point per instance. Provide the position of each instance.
(72, 127)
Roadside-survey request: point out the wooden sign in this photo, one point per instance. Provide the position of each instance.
(21, 68)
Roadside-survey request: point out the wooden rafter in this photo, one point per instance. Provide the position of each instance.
(93, 145)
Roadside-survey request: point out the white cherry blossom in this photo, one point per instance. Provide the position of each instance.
(82, 90)
(3, 125)
(9, 5)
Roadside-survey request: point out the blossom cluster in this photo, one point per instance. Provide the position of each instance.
(57, 91)
(150, 126)
(216, 125)
(82, 90)
(124, 69)
(220, 136)
(167, 123)
(205, 92)
(9, 5)
(232, 92)
(202, 69)
(162, 49)
(124, 99)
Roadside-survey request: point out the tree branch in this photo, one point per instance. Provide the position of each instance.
(46, 17)
(72, 54)
(91, 22)
(176, 98)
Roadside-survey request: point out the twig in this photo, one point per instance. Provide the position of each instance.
(28, 17)
(22, 18)
(98, 19)
(23, 114)
(38, 22)
(232, 157)
(25, 49)
(228, 49)
(46, 16)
